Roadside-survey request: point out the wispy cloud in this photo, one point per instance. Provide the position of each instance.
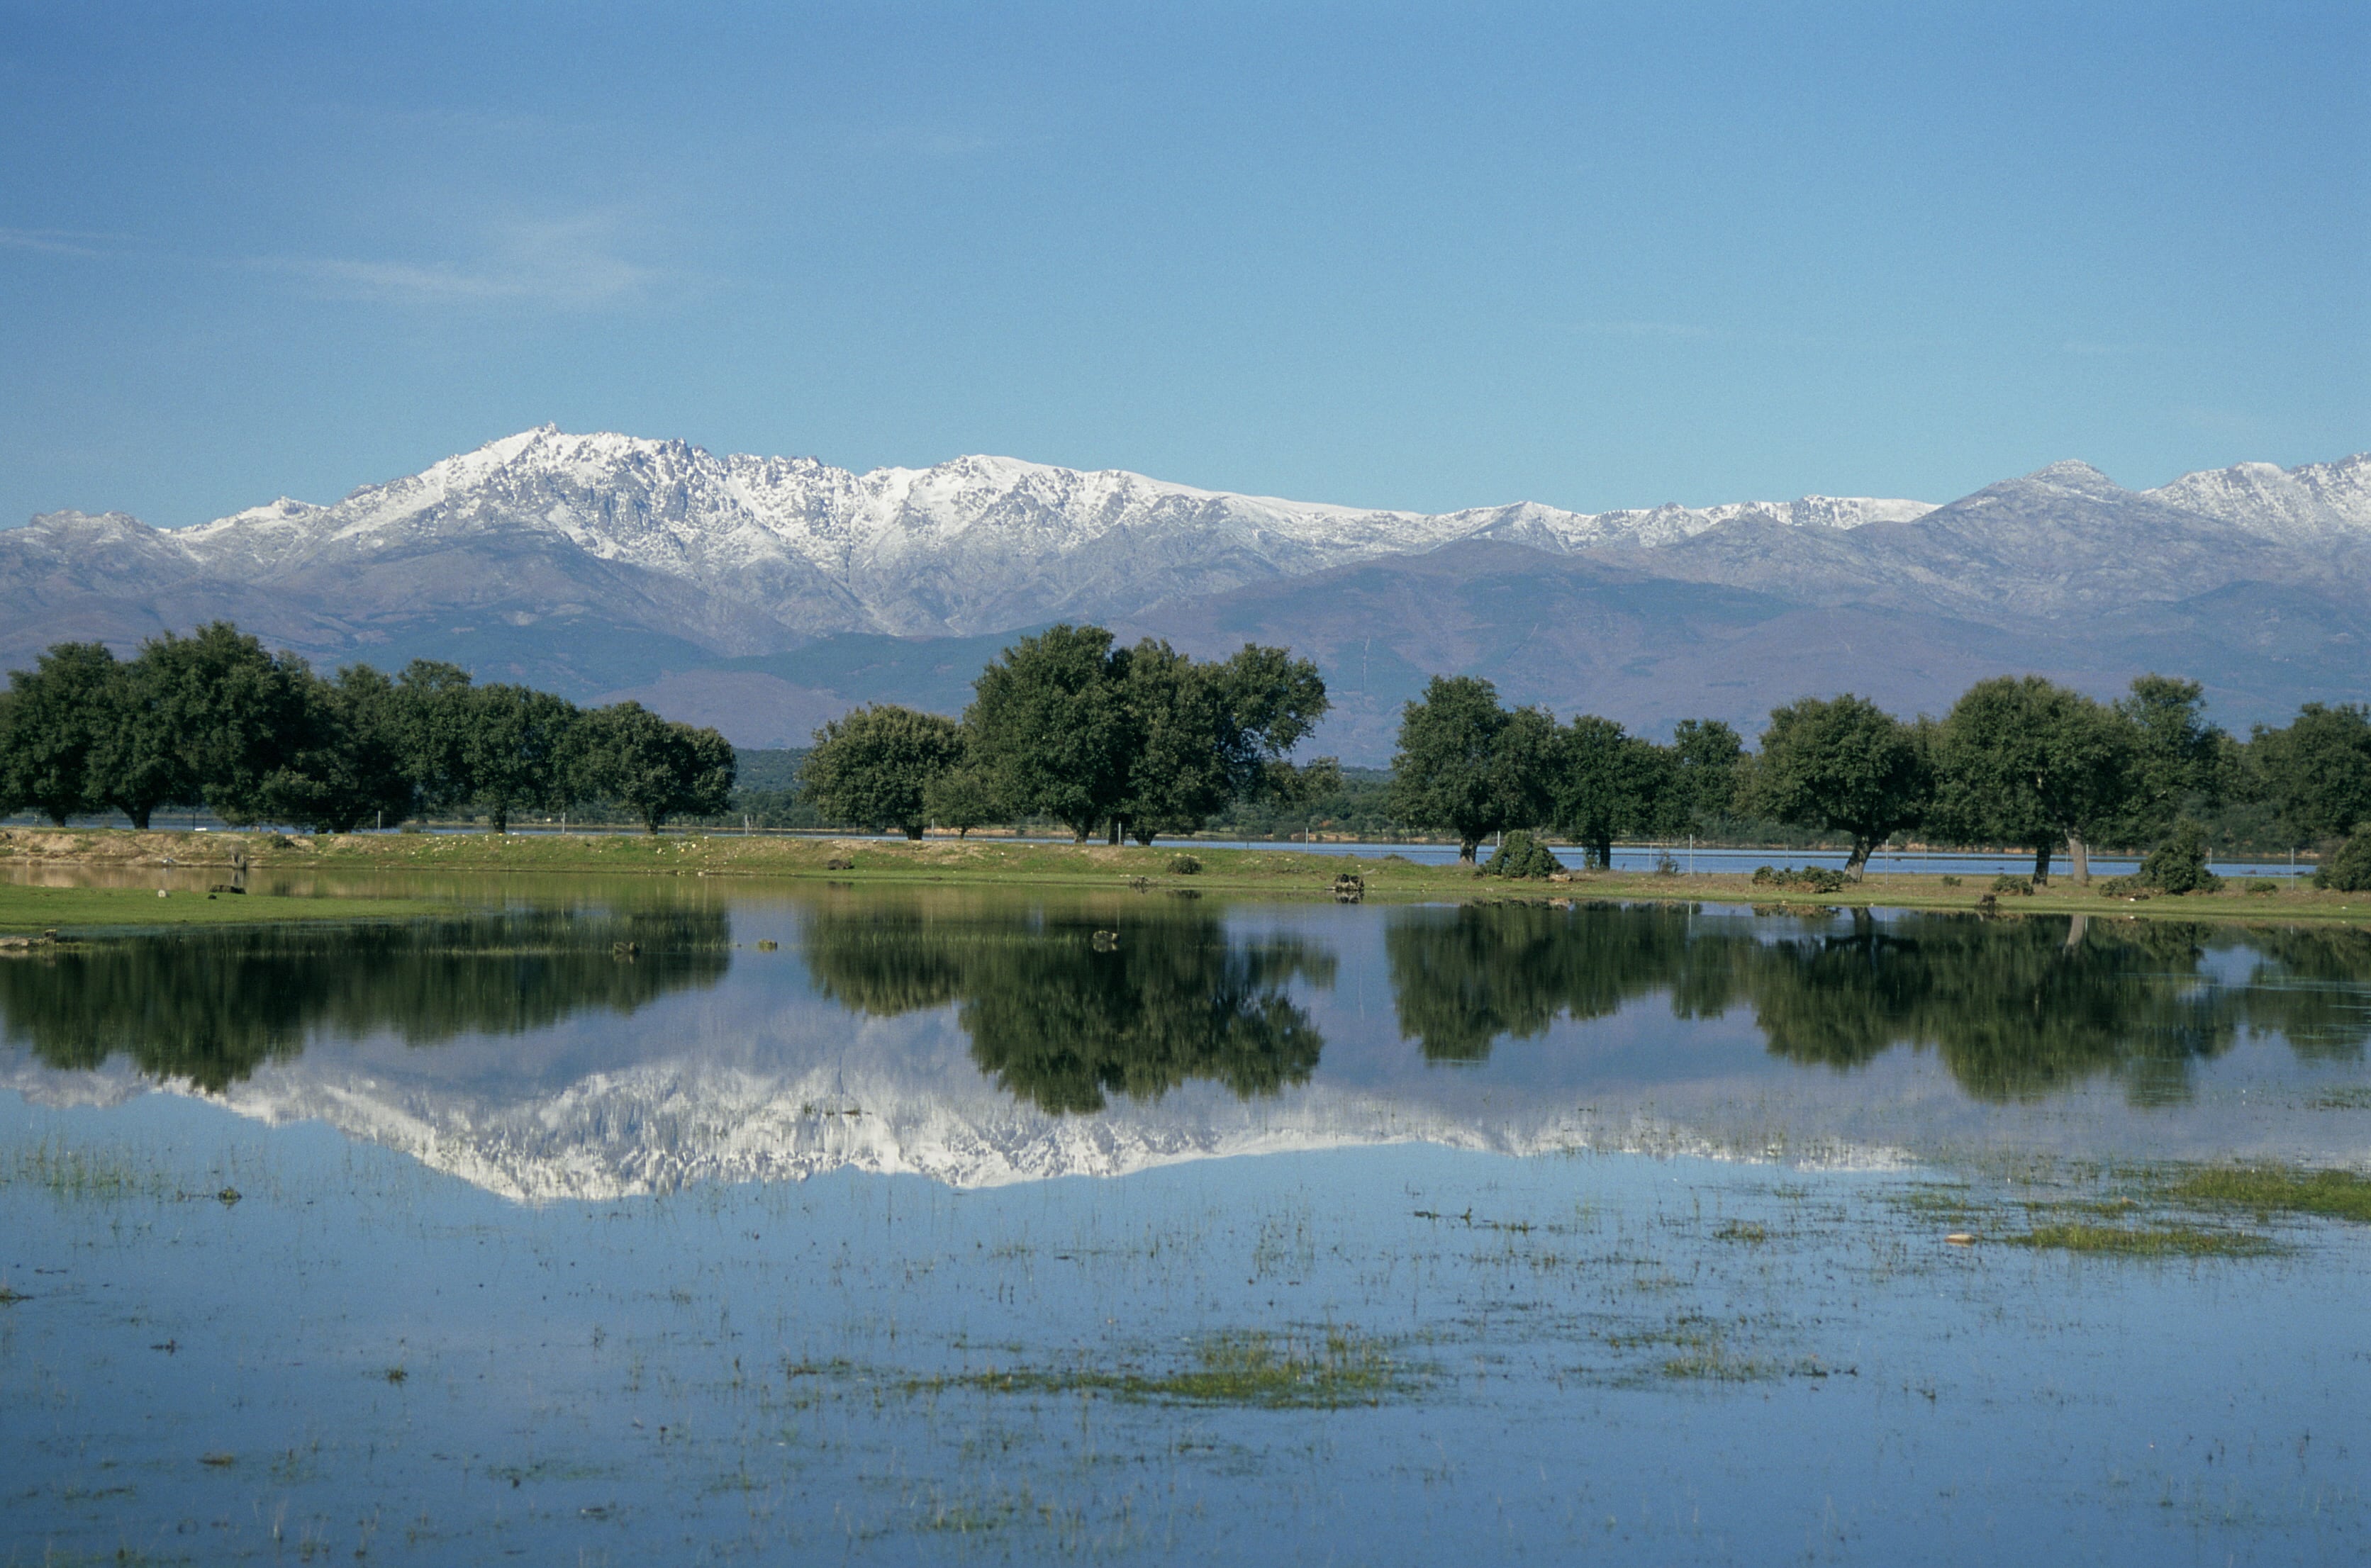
(61, 242)
(568, 264)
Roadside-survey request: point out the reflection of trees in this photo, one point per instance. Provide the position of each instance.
(212, 1006)
(2016, 1008)
(2308, 987)
(1461, 981)
(1063, 1018)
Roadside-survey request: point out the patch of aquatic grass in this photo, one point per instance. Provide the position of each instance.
(1717, 1366)
(82, 1175)
(2151, 1241)
(1744, 1230)
(2273, 1189)
(1938, 1201)
(2356, 1098)
(1254, 1368)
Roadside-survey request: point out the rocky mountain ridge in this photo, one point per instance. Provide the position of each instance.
(600, 563)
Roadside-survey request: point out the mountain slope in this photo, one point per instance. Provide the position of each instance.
(765, 593)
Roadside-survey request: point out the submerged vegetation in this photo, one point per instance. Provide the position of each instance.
(1258, 1368)
(2167, 1240)
(2269, 1189)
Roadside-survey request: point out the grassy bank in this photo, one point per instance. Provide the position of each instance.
(26, 856)
(25, 909)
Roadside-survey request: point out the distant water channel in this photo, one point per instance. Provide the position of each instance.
(623, 1222)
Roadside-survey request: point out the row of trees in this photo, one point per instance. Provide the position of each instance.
(2016, 760)
(1127, 742)
(216, 719)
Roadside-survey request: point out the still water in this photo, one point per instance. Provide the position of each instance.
(953, 1226)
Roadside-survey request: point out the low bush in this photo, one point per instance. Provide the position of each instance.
(2179, 864)
(1521, 855)
(2262, 884)
(1185, 866)
(2349, 871)
(2021, 886)
(1949, 880)
(2124, 887)
(1812, 879)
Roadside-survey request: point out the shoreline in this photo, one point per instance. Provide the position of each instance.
(1283, 872)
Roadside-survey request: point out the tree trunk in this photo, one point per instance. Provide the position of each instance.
(1465, 848)
(1114, 839)
(1858, 859)
(913, 833)
(2075, 929)
(139, 818)
(1601, 851)
(501, 817)
(2078, 853)
(2042, 865)
(1143, 836)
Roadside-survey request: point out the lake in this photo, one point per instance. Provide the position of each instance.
(623, 1221)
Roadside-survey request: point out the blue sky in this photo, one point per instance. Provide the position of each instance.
(1427, 256)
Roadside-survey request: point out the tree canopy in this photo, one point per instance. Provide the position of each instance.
(1842, 766)
(1468, 765)
(2026, 761)
(875, 766)
(2316, 772)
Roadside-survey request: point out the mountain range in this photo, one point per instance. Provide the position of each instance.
(764, 595)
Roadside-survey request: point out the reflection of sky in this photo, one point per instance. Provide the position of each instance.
(745, 1077)
(751, 1366)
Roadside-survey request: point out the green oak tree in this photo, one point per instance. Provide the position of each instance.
(1050, 720)
(2316, 771)
(873, 767)
(653, 766)
(57, 718)
(1469, 766)
(138, 762)
(2020, 759)
(2179, 759)
(1841, 766)
(515, 746)
(1603, 782)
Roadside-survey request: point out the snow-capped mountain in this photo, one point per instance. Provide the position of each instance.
(590, 563)
(977, 544)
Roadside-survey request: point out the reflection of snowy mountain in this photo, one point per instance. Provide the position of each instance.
(903, 1096)
(978, 1041)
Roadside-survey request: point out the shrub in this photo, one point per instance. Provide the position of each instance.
(2179, 864)
(1815, 879)
(1185, 866)
(1521, 855)
(2349, 871)
(2124, 887)
(1950, 881)
(2021, 886)
(2262, 884)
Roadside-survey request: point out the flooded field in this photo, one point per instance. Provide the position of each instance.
(621, 1225)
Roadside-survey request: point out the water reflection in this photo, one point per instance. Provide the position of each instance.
(2016, 1010)
(1066, 1007)
(210, 1007)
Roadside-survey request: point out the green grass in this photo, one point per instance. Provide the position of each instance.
(2152, 1241)
(2271, 1189)
(1253, 1368)
(1272, 872)
(69, 910)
